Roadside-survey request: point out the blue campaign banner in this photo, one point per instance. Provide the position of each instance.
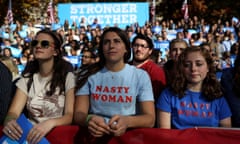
(17, 53)
(108, 14)
(74, 60)
(162, 46)
(56, 26)
(23, 33)
(171, 36)
(13, 27)
(157, 29)
(20, 68)
(192, 31)
(4, 35)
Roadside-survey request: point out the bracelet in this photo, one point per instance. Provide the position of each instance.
(8, 118)
(88, 118)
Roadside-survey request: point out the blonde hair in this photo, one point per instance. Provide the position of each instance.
(11, 65)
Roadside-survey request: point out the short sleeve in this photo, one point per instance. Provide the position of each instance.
(164, 101)
(145, 87)
(84, 90)
(70, 81)
(22, 84)
(224, 111)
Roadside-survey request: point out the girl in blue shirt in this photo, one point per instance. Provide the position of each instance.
(194, 98)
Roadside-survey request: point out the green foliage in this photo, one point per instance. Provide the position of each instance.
(210, 10)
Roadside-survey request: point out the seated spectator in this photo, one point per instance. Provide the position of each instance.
(12, 66)
(46, 88)
(234, 52)
(176, 47)
(5, 90)
(230, 81)
(142, 49)
(194, 98)
(226, 60)
(7, 52)
(26, 52)
(107, 95)
(88, 57)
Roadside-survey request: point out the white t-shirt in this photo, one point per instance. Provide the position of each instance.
(41, 107)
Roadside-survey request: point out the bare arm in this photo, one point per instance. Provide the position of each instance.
(17, 104)
(41, 129)
(11, 128)
(225, 122)
(163, 119)
(81, 109)
(96, 124)
(68, 110)
(145, 119)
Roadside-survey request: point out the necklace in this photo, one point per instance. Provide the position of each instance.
(112, 75)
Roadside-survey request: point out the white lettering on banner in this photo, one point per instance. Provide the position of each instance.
(108, 14)
(103, 9)
(107, 19)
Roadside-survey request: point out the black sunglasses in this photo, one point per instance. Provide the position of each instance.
(43, 43)
(85, 56)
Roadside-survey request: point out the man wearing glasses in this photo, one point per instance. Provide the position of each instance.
(142, 49)
(88, 57)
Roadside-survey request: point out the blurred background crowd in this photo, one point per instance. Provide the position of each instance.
(221, 36)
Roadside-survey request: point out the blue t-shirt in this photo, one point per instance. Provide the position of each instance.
(193, 110)
(114, 93)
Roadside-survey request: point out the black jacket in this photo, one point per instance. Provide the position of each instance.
(5, 90)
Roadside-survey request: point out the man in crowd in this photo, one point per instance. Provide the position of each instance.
(176, 47)
(142, 49)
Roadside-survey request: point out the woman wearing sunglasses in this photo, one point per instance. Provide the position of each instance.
(46, 88)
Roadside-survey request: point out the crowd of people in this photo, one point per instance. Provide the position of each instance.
(165, 74)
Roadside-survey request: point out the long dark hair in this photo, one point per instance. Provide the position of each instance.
(60, 66)
(211, 87)
(83, 75)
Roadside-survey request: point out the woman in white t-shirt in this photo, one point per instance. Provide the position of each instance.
(45, 88)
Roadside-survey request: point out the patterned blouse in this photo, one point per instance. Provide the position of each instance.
(39, 106)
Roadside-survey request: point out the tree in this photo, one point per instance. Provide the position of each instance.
(209, 9)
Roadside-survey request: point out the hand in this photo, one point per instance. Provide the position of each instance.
(39, 131)
(12, 129)
(97, 126)
(118, 125)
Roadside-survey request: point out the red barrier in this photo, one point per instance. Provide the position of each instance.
(77, 135)
(187, 136)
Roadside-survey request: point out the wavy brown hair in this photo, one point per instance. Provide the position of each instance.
(87, 71)
(211, 87)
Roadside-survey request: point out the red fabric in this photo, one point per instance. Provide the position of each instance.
(187, 136)
(77, 135)
(63, 135)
